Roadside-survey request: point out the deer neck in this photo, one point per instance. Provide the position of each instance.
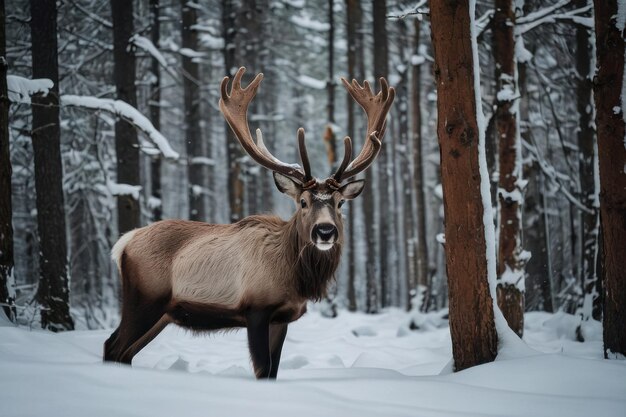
(312, 269)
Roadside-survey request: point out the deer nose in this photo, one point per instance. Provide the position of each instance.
(325, 231)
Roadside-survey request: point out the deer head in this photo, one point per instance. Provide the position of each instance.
(318, 202)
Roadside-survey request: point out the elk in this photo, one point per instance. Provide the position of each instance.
(257, 273)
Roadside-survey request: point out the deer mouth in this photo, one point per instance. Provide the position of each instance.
(324, 236)
(324, 246)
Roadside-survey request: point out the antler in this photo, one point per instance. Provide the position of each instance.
(234, 106)
(376, 108)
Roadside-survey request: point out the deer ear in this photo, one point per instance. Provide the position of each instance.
(286, 185)
(352, 189)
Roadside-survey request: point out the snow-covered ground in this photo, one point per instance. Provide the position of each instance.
(354, 365)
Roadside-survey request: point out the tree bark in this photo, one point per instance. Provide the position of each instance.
(155, 109)
(6, 212)
(590, 306)
(352, 24)
(421, 246)
(472, 326)
(53, 290)
(126, 144)
(511, 275)
(608, 85)
(233, 150)
(381, 69)
(196, 171)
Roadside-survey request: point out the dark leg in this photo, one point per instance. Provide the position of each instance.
(277, 337)
(258, 323)
(131, 351)
(110, 346)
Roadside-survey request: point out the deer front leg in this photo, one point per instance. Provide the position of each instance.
(277, 338)
(258, 326)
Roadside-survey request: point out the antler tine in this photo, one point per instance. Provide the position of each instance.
(304, 156)
(347, 157)
(234, 107)
(376, 108)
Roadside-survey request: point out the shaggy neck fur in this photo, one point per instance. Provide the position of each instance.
(312, 268)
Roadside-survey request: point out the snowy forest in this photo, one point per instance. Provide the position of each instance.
(493, 215)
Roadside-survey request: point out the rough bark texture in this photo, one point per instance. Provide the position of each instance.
(586, 162)
(126, 144)
(53, 290)
(421, 247)
(155, 107)
(233, 150)
(612, 160)
(196, 171)
(351, 37)
(474, 339)
(381, 69)
(510, 264)
(6, 213)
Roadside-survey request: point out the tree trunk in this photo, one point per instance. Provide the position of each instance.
(352, 24)
(193, 133)
(155, 109)
(53, 291)
(472, 326)
(590, 306)
(126, 144)
(233, 150)
(510, 254)
(6, 212)
(608, 85)
(381, 69)
(421, 246)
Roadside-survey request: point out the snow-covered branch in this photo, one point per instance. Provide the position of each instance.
(575, 16)
(146, 44)
(21, 89)
(128, 113)
(551, 173)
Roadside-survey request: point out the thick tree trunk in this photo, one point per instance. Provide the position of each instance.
(421, 246)
(590, 306)
(472, 326)
(155, 109)
(126, 144)
(510, 254)
(6, 212)
(608, 85)
(233, 150)
(381, 69)
(196, 171)
(53, 291)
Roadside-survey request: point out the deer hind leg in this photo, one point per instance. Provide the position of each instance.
(139, 317)
(132, 350)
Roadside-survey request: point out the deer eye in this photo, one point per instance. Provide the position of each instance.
(303, 203)
(341, 203)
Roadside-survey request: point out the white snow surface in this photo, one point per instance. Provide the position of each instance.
(311, 82)
(326, 370)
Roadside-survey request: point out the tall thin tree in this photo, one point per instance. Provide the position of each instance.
(155, 107)
(472, 325)
(6, 212)
(233, 150)
(126, 143)
(193, 132)
(608, 85)
(511, 261)
(352, 23)
(590, 305)
(381, 69)
(53, 290)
